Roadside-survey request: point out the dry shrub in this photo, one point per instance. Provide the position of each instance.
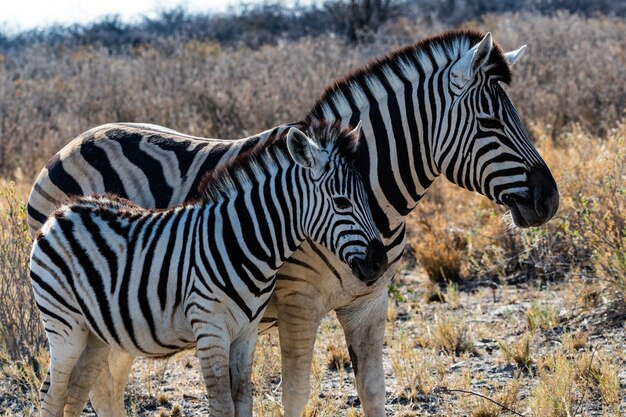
(198, 88)
(21, 333)
(587, 237)
(203, 88)
(439, 250)
(571, 70)
(592, 217)
(20, 393)
(600, 213)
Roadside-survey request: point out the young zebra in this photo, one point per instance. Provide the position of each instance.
(109, 274)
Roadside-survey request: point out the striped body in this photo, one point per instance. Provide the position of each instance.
(155, 282)
(436, 107)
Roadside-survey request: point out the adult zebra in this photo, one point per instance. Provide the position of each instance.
(433, 107)
(107, 273)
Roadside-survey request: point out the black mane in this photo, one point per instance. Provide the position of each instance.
(327, 135)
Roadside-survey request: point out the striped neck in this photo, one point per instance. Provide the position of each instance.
(395, 99)
(256, 218)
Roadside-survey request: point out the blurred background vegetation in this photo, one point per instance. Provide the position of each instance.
(231, 75)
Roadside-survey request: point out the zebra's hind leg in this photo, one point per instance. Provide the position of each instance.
(213, 350)
(241, 354)
(85, 373)
(107, 394)
(66, 347)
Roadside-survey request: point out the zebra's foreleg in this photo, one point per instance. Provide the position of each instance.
(85, 373)
(241, 354)
(213, 350)
(297, 329)
(107, 394)
(364, 327)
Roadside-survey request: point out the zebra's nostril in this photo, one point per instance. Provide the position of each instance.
(545, 195)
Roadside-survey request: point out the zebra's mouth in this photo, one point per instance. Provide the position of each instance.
(516, 214)
(538, 203)
(524, 211)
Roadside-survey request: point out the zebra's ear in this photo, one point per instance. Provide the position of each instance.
(301, 148)
(514, 56)
(465, 68)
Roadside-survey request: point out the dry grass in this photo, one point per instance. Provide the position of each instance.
(518, 353)
(573, 342)
(508, 396)
(338, 357)
(21, 333)
(411, 368)
(556, 393)
(451, 335)
(440, 252)
(541, 317)
(567, 382)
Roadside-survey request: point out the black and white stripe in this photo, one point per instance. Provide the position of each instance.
(108, 273)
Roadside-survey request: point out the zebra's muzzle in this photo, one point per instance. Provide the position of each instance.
(370, 268)
(539, 204)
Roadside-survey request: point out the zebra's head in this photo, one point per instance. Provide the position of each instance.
(486, 147)
(337, 215)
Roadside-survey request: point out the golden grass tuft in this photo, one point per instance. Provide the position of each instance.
(163, 412)
(162, 398)
(338, 357)
(450, 334)
(575, 341)
(609, 386)
(541, 317)
(177, 410)
(519, 353)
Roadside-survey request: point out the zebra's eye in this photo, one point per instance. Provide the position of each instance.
(490, 123)
(342, 202)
